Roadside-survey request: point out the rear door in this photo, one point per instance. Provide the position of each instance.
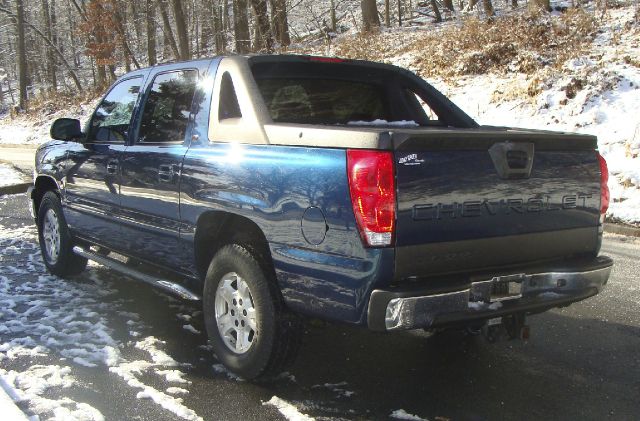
(485, 198)
(93, 167)
(151, 166)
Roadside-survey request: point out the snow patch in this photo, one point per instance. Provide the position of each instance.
(289, 411)
(379, 122)
(191, 329)
(10, 176)
(401, 414)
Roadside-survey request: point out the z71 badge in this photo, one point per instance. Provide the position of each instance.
(411, 159)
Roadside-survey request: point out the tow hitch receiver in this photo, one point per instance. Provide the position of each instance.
(512, 326)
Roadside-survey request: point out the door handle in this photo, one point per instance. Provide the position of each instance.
(166, 173)
(112, 167)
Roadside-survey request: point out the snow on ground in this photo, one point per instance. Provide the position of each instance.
(10, 176)
(46, 318)
(35, 129)
(289, 411)
(401, 414)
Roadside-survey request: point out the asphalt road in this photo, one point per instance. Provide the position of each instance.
(581, 362)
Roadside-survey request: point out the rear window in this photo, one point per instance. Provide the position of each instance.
(308, 90)
(323, 101)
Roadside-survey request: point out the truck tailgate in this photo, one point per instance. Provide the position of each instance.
(488, 198)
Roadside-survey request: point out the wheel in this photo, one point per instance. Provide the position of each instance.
(251, 331)
(55, 239)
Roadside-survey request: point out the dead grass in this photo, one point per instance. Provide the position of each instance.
(521, 43)
(52, 103)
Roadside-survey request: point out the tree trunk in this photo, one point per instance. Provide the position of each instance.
(22, 57)
(207, 22)
(181, 29)
(101, 76)
(150, 17)
(51, 63)
(241, 26)
(263, 29)
(488, 9)
(281, 21)
(436, 11)
(514, 4)
(541, 5)
(387, 13)
(124, 36)
(370, 18)
(448, 4)
(399, 12)
(168, 32)
(334, 21)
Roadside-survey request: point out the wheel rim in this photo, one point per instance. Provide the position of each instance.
(51, 236)
(235, 313)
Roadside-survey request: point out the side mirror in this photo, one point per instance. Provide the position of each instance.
(66, 129)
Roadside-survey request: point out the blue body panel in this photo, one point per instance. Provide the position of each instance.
(273, 186)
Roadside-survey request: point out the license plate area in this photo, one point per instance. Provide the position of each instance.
(505, 290)
(500, 288)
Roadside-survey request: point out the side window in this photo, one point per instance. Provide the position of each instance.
(423, 109)
(166, 112)
(110, 122)
(229, 107)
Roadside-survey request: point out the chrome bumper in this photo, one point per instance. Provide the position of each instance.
(534, 292)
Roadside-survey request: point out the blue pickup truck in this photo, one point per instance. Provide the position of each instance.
(275, 187)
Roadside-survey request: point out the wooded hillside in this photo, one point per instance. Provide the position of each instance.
(72, 46)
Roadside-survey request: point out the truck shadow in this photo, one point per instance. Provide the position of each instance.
(347, 372)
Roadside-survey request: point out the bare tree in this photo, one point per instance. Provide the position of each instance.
(181, 29)
(241, 26)
(489, 11)
(370, 18)
(448, 4)
(22, 56)
(436, 10)
(263, 29)
(150, 20)
(169, 39)
(387, 13)
(541, 5)
(280, 21)
(50, 57)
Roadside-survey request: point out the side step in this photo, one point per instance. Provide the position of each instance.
(168, 286)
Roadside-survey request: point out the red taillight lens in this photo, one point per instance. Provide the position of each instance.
(604, 188)
(373, 194)
(327, 59)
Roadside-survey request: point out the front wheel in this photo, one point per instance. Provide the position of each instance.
(55, 239)
(251, 331)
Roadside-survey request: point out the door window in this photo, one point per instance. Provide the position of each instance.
(110, 122)
(166, 112)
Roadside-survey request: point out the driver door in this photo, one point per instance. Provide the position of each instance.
(92, 184)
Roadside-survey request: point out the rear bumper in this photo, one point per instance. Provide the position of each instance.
(536, 291)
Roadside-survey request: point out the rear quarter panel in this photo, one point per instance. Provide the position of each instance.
(273, 186)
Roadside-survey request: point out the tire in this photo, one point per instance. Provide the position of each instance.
(241, 300)
(55, 239)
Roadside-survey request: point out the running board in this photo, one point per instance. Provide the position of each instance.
(163, 284)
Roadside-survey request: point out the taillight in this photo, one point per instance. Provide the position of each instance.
(327, 59)
(373, 195)
(604, 188)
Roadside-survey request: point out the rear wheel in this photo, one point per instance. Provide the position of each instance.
(55, 239)
(251, 331)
